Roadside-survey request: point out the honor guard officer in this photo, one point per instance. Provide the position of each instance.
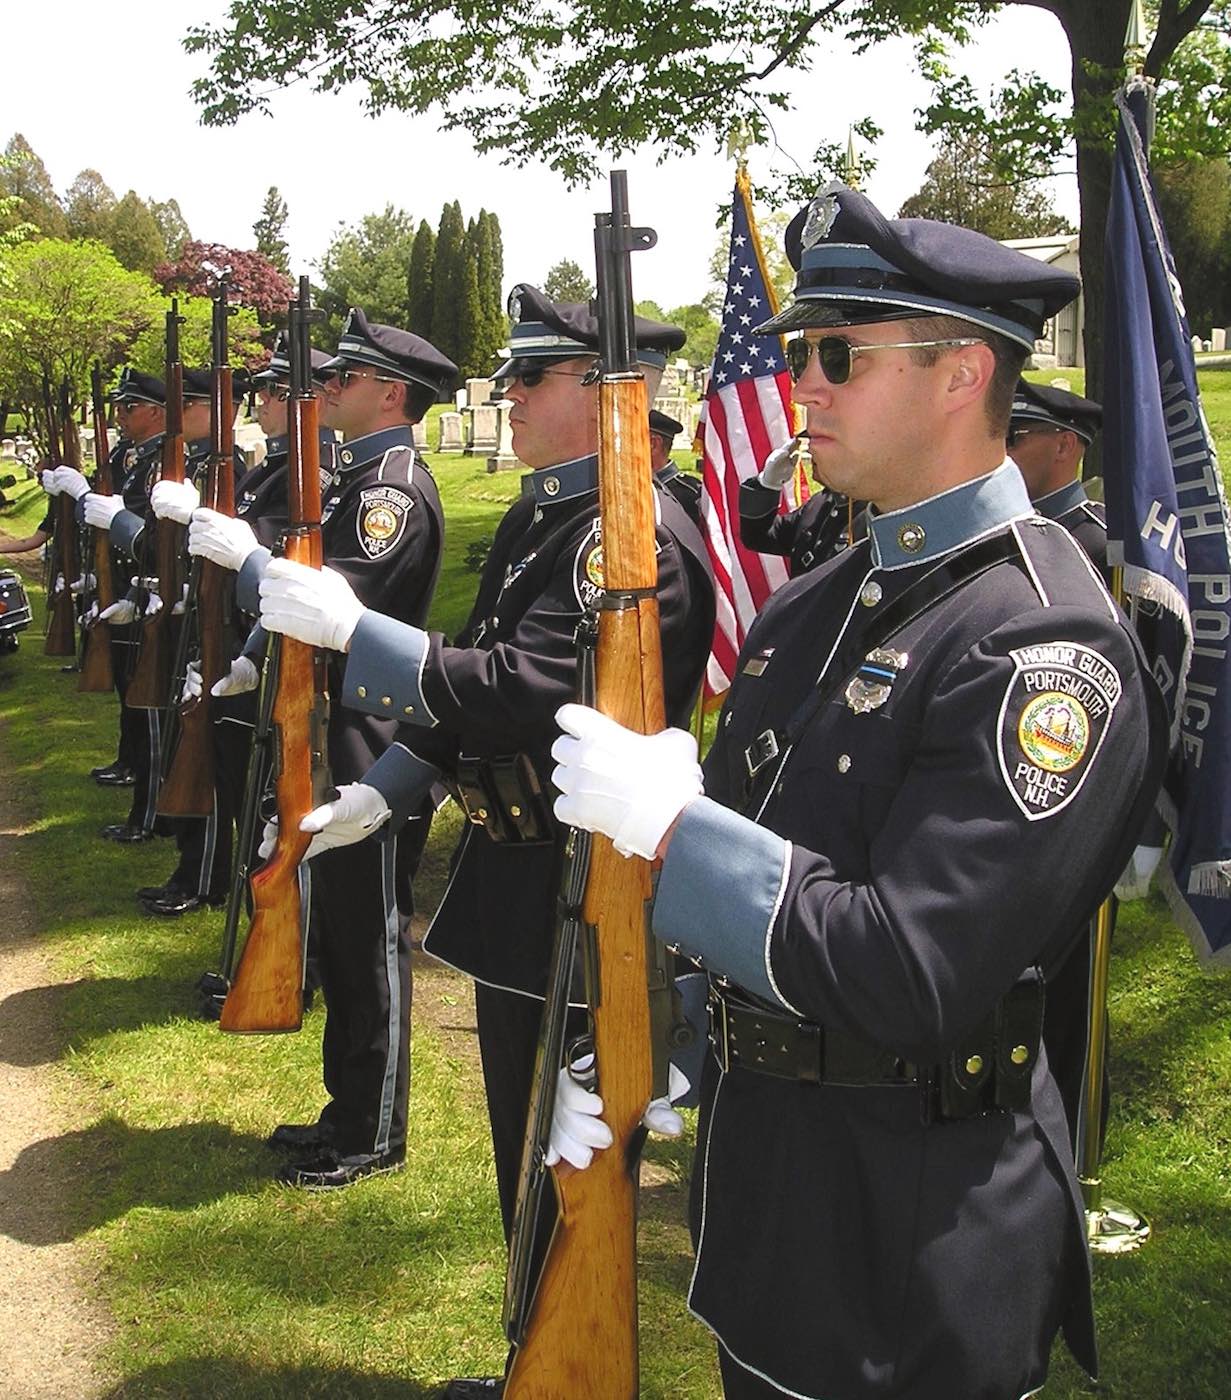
(924, 775)
(807, 536)
(684, 487)
(263, 499)
(382, 533)
(1049, 431)
(480, 712)
(140, 408)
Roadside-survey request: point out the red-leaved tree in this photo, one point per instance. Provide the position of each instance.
(254, 280)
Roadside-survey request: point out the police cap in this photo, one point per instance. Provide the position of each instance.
(278, 370)
(545, 331)
(664, 426)
(393, 353)
(1042, 404)
(141, 388)
(853, 265)
(198, 384)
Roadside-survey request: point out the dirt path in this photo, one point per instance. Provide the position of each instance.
(52, 1325)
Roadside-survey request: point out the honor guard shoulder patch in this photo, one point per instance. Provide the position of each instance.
(1053, 720)
(588, 568)
(381, 519)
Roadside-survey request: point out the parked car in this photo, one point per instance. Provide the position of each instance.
(14, 610)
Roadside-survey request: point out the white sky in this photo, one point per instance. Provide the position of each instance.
(107, 87)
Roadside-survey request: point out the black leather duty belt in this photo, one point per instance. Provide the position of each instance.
(750, 1037)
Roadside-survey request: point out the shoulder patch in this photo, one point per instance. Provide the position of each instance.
(1056, 712)
(588, 567)
(380, 520)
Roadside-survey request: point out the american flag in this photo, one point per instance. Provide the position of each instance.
(746, 414)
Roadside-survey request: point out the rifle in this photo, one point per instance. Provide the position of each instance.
(96, 670)
(188, 788)
(61, 633)
(150, 687)
(267, 994)
(580, 1338)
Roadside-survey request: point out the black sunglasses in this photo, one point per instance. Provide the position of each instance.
(836, 354)
(344, 377)
(534, 376)
(1015, 435)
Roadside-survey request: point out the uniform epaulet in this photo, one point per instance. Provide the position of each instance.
(1048, 549)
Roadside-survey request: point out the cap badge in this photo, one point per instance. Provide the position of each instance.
(515, 304)
(871, 685)
(820, 219)
(912, 538)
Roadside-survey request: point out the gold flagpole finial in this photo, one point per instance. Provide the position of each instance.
(1136, 38)
(851, 172)
(739, 139)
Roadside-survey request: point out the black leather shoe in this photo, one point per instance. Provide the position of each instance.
(330, 1171)
(300, 1137)
(121, 831)
(116, 775)
(473, 1388)
(176, 902)
(158, 891)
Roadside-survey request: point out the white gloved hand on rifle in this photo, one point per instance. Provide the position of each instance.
(70, 480)
(47, 480)
(222, 538)
(174, 500)
(84, 584)
(316, 606)
(357, 811)
(578, 1130)
(120, 613)
(100, 511)
(779, 466)
(153, 605)
(178, 609)
(239, 680)
(628, 786)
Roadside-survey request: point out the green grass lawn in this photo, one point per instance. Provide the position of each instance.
(223, 1284)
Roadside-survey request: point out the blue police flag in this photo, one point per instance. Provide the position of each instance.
(1167, 527)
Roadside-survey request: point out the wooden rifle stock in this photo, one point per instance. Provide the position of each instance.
(267, 993)
(581, 1341)
(188, 788)
(150, 687)
(96, 668)
(61, 637)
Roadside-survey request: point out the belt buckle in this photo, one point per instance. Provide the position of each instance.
(761, 751)
(719, 1030)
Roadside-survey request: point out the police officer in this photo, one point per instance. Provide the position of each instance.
(685, 487)
(140, 406)
(480, 711)
(923, 776)
(382, 531)
(1049, 431)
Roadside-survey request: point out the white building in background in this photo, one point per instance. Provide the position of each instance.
(1061, 341)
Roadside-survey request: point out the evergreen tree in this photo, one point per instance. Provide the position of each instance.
(419, 287)
(172, 225)
(89, 207)
(491, 283)
(270, 230)
(367, 265)
(24, 176)
(471, 358)
(566, 282)
(135, 237)
(446, 279)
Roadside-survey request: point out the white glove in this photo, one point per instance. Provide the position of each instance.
(100, 511)
(58, 586)
(241, 678)
(222, 538)
(659, 1116)
(121, 612)
(779, 466)
(1134, 883)
(628, 786)
(356, 812)
(84, 583)
(577, 1131)
(192, 684)
(174, 500)
(178, 609)
(47, 480)
(71, 480)
(316, 606)
(153, 605)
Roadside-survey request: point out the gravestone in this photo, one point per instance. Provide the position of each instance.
(481, 429)
(418, 435)
(1196, 342)
(450, 433)
(1218, 338)
(479, 391)
(504, 459)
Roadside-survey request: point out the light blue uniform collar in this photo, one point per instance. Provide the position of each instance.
(943, 523)
(372, 445)
(1057, 504)
(553, 485)
(281, 444)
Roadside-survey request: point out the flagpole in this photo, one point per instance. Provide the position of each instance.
(1111, 1226)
